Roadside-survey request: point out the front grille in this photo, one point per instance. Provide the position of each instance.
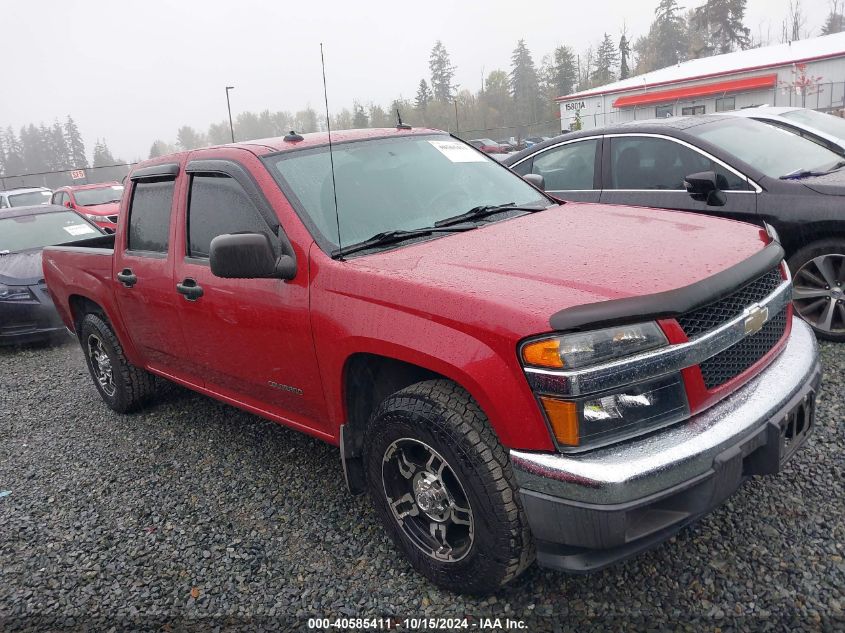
(713, 315)
(738, 358)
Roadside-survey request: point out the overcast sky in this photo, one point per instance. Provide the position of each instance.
(132, 71)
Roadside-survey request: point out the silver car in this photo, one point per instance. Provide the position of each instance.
(825, 129)
(25, 197)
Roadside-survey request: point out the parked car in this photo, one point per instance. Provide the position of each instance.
(723, 166)
(533, 140)
(98, 203)
(825, 129)
(507, 146)
(26, 310)
(24, 197)
(504, 375)
(488, 146)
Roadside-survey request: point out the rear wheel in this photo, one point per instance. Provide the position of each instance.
(442, 486)
(123, 386)
(819, 287)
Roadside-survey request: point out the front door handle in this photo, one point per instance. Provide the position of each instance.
(127, 278)
(190, 289)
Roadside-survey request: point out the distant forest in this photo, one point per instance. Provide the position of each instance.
(514, 102)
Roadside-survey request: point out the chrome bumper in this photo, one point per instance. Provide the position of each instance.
(685, 452)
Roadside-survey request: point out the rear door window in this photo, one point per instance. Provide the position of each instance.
(219, 205)
(149, 216)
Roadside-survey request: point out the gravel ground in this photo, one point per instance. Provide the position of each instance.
(194, 515)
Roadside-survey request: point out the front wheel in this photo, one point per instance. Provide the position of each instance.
(442, 486)
(819, 287)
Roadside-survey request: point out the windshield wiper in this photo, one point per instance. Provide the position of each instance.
(484, 210)
(806, 173)
(399, 235)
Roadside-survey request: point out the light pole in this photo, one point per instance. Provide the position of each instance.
(457, 127)
(229, 106)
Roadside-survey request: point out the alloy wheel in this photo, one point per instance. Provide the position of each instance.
(428, 500)
(819, 292)
(101, 365)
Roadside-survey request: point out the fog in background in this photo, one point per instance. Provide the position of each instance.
(130, 72)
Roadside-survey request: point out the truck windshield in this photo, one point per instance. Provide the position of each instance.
(43, 229)
(30, 198)
(101, 195)
(394, 184)
(773, 151)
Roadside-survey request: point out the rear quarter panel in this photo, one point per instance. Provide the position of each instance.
(86, 273)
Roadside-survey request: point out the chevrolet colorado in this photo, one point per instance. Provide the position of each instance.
(509, 378)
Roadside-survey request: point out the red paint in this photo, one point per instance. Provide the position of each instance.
(691, 92)
(102, 211)
(457, 305)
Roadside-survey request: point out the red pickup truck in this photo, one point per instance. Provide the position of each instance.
(507, 376)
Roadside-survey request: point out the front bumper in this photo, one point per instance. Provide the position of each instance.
(590, 510)
(23, 322)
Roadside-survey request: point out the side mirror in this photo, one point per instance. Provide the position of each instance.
(704, 187)
(69, 204)
(535, 179)
(248, 256)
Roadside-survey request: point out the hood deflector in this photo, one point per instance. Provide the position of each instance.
(671, 303)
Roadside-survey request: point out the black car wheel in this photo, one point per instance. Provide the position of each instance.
(442, 486)
(122, 386)
(818, 272)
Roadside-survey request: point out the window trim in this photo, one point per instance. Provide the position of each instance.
(240, 174)
(755, 187)
(133, 252)
(596, 170)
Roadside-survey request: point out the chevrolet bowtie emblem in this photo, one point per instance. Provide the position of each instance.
(755, 319)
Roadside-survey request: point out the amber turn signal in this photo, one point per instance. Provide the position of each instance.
(544, 353)
(563, 416)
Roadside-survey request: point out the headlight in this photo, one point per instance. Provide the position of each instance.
(573, 351)
(94, 218)
(606, 418)
(14, 293)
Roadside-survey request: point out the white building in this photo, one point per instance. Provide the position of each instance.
(809, 73)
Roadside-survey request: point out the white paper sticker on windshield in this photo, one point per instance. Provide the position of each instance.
(78, 229)
(458, 152)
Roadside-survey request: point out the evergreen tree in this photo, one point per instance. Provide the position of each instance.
(102, 155)
(835, 22)
(423, 95)
(75, 144)
(565, 71)
(305, 121)
(669, 28)
(524, 84)
(59, 149)
(188, 138)
(442, 73)
(624, 55)
(14, 154)
(723, 22)
(359, 117)
(607, 57)
(34, 147)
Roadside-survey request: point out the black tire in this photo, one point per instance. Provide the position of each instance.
(810, 281)
(130, 386)
(443, 417)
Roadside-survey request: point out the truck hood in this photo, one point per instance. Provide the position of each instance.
(22, 268)
(109, 208)
(521, 271)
